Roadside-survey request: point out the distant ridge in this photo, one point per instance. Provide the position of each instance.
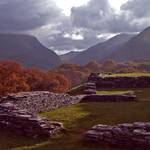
(68, 56)
(27, 50)
(137, 48)
(102, 50)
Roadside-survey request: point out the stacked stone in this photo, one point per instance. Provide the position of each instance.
(128, 97)
(26, 124)
(136, 134)
(41, 101)
(120, 82)
(89, 88)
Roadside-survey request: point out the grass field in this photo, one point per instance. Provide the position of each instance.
(128, 75)
(78, 119)
(113, 92)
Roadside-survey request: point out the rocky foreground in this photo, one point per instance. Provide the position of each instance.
(136, 134)
(19, 113)
(26, 124)
(41, 101)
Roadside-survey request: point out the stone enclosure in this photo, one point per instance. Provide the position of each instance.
(41, 101)
(91, 96)
(18, 113)
(129, 97)
(136, 134)
(120, 82)
(26, 124)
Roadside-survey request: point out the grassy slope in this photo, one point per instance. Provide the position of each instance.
(78, 119)
(76, 90)
(114, 92)
(129, 75)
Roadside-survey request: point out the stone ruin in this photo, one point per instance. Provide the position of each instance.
(41, 101)
(122, 135)
(89, 88)
(27, 124)
(18, 113)
(127, 97)
(90, 95)
(119, 82)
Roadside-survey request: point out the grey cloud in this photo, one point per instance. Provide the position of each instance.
(138, 8)
(99, 16)
(95, 18)
(20, 15)
(45, 20)
(94, 15)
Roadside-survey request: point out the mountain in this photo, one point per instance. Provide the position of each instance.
(27, 50)
(137, 48)
(102, 50)
(69, 56)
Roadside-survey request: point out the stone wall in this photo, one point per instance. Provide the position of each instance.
(120, 82)
(40, 101)
(109, 98)
(18, 112)
(89, 88)
(24, 123)
(136, 134)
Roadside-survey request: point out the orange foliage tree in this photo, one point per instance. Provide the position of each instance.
(14, 78)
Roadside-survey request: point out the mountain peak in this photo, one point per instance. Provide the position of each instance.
(144, 36)
(147, 29)
(27, 50)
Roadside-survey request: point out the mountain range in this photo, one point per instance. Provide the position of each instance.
(68, 56)
(27, 50)
(137, 48)
(123, 47)
(102, 50)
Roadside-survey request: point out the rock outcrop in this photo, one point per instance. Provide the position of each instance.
(136, 134)
(26, 124)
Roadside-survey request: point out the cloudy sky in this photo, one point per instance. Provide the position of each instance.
(65, 25)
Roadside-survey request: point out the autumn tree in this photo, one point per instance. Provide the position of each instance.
(12, 78)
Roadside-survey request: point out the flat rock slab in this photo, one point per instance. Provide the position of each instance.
(109, 98)
(136, 134)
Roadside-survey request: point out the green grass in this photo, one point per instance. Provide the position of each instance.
(76, 90)
(113, 92)
(128, 75)
(142, 94)
(78, 119)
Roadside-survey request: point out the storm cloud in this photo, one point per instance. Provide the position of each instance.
(20, 15)
(86, 26)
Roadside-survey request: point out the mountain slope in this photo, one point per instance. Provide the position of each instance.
(138, 48)
(27, 50)
(102, 50)
(69, 56)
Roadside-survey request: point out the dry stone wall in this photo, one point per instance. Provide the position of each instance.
(26, 124)
(89, 88)
(40, 101)
(18, 112)
(109, 98)
(136, 134)
(120, 82)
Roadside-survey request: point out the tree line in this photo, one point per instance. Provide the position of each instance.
(16, 78)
